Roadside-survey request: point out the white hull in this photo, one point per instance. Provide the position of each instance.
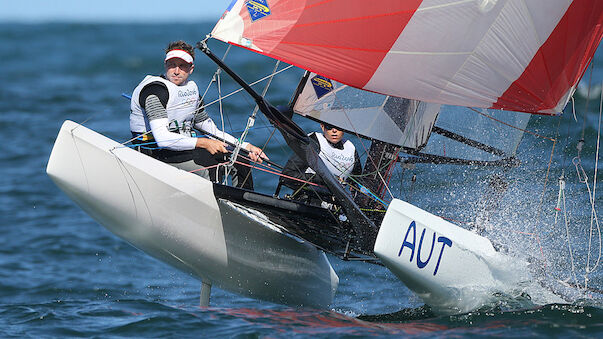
(451, 269)
(174, 216)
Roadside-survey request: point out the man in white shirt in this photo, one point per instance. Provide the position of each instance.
(167, 106)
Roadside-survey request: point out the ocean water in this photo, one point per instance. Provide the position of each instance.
(63, 275)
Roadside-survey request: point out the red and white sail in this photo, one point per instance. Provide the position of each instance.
(520, 55)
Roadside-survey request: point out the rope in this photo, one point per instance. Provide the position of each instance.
(258, 167)
(561, 200)
(593, 214)
(250, 122)
(306, 182)
(574, 109)
(389, 173)
(228, 166)
(372, 210)
(368, 192)
(333, 213)
(206, 168)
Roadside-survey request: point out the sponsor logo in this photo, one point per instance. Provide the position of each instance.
(186, 93)
(410, 242)
(322, 85)
(257, 9)
(341, 158)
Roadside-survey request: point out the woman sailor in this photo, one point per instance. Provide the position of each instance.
(338, 154)
(167, 106)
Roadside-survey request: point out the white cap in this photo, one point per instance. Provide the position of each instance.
(178, 53)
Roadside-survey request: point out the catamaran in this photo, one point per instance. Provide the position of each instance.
(431, 81)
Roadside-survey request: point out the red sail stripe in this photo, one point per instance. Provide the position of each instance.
(355, 18)
(313, 36)
(336, 47)
(560, 61)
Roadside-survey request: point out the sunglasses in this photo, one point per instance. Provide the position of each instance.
(329, 127)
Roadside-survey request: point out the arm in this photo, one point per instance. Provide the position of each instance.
(153, 99)
(296, 167)
(209, 126)
(204, 123)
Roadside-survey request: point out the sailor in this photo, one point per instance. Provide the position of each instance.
(338, 154)
(169, 107)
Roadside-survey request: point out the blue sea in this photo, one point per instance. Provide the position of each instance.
(63, 275)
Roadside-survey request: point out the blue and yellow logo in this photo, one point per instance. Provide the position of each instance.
(322, 86)
(257, 9)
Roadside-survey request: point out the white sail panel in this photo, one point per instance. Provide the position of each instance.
(397, 121)
(497, 45)
(476, 134)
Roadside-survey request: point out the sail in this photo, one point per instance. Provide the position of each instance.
(466, 135)
(434, 132)
(514, 55)
(402, 122)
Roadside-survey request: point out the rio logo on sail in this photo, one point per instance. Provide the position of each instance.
(410, 242)
(321, 85)
(257, 9)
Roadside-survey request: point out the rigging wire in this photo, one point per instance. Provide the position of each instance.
(546, 178)
(583, 178)
(216, 73)
(593, 214)
(270, 77)
(217, 79)
(251, 122)
(250, 84)
(401, 171)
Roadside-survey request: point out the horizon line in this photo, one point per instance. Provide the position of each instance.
(108, 21)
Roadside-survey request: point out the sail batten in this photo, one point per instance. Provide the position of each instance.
(506, 54)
